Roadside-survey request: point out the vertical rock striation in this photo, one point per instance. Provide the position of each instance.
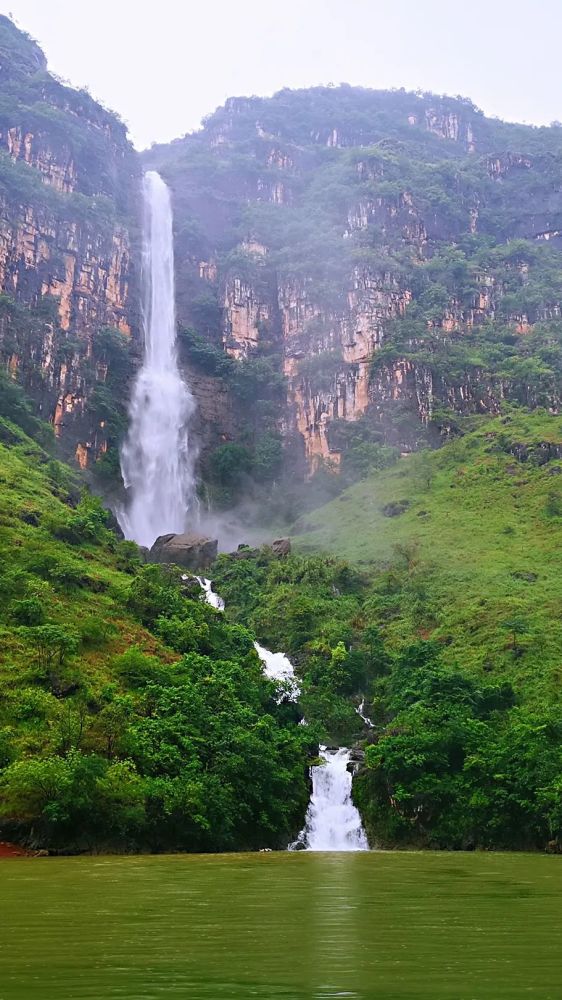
(67, 172)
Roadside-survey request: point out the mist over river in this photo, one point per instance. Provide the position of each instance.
(304, 926)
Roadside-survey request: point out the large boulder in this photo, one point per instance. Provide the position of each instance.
(281, 547)
(189, 550)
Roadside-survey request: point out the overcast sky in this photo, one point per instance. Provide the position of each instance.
(163, 65)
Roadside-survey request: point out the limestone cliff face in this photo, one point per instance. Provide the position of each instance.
(67, 180)
(398, 255)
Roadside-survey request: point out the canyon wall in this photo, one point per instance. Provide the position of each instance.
(67, 211)
(354, 268)
(377, 247)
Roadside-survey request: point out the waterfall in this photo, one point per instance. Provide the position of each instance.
(278, 667)
(332, 821)
(157, 462)
(215, 600)
(361, 713)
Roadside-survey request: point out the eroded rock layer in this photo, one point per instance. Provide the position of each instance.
(376, 247)
(67, 197)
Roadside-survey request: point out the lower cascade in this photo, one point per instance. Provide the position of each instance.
(332, 821)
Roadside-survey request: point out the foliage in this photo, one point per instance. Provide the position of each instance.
(457, 765)
(132, 715)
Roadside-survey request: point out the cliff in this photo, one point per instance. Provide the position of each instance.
(395, 256)
(356, 269)
(67, 215)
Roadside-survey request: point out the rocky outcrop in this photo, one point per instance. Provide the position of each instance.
(191, 551)
(67, 197)
(281, 547)
(360, 240)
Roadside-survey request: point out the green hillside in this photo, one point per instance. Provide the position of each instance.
(446, 623)
(463, 545)
(132, 716)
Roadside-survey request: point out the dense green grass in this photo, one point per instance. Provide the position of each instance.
(474, 559)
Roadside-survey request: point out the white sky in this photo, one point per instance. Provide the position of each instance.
(164, 65)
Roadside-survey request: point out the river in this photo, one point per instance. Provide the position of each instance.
(282, 926)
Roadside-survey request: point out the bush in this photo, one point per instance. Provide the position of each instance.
(29, 611)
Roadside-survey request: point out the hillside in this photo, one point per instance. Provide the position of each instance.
(131, 715)
(68, 231)
(369, 306)
(463, 545)
(445, 625)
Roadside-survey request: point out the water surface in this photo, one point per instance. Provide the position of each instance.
(287, 926)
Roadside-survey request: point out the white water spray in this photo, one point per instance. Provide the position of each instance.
(278, 667)
(332, 821)
(157, 462)
(215, 600)
(361, 713)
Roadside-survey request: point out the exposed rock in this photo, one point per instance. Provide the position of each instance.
(539, 454)
(65, 248)
(189, 550)
(281, 547)
(244, 552)
(395, 508)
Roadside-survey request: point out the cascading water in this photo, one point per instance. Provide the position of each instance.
(278, 667)
(215, 600)
(157, 462)
(332, 821)
(361, 713)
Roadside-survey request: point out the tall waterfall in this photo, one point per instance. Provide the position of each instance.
(332, 821)
(157, 462)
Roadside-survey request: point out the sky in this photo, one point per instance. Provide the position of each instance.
(164, 65)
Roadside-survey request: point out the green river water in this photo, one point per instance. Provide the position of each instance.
(284, 926)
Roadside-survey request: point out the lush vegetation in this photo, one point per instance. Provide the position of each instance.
(133, 716)
(448, 626)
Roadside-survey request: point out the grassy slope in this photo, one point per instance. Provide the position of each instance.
(34, 488)
(459, 564)
(155, 752)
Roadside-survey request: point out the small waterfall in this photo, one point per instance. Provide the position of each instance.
(157, 463)
(215, 600)
(332, 821)
(278, 667)
(361, 713)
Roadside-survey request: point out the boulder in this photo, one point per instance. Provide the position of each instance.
(395, 508)
(281, 547)
(189, 550)
(244, 552)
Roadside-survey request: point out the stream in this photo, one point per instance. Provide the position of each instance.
(158, 463)
(332, 821)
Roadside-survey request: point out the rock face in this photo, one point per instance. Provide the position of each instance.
(281, 547)
(357, 266)
(67, 195)
(362, 270)
(191, 551)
